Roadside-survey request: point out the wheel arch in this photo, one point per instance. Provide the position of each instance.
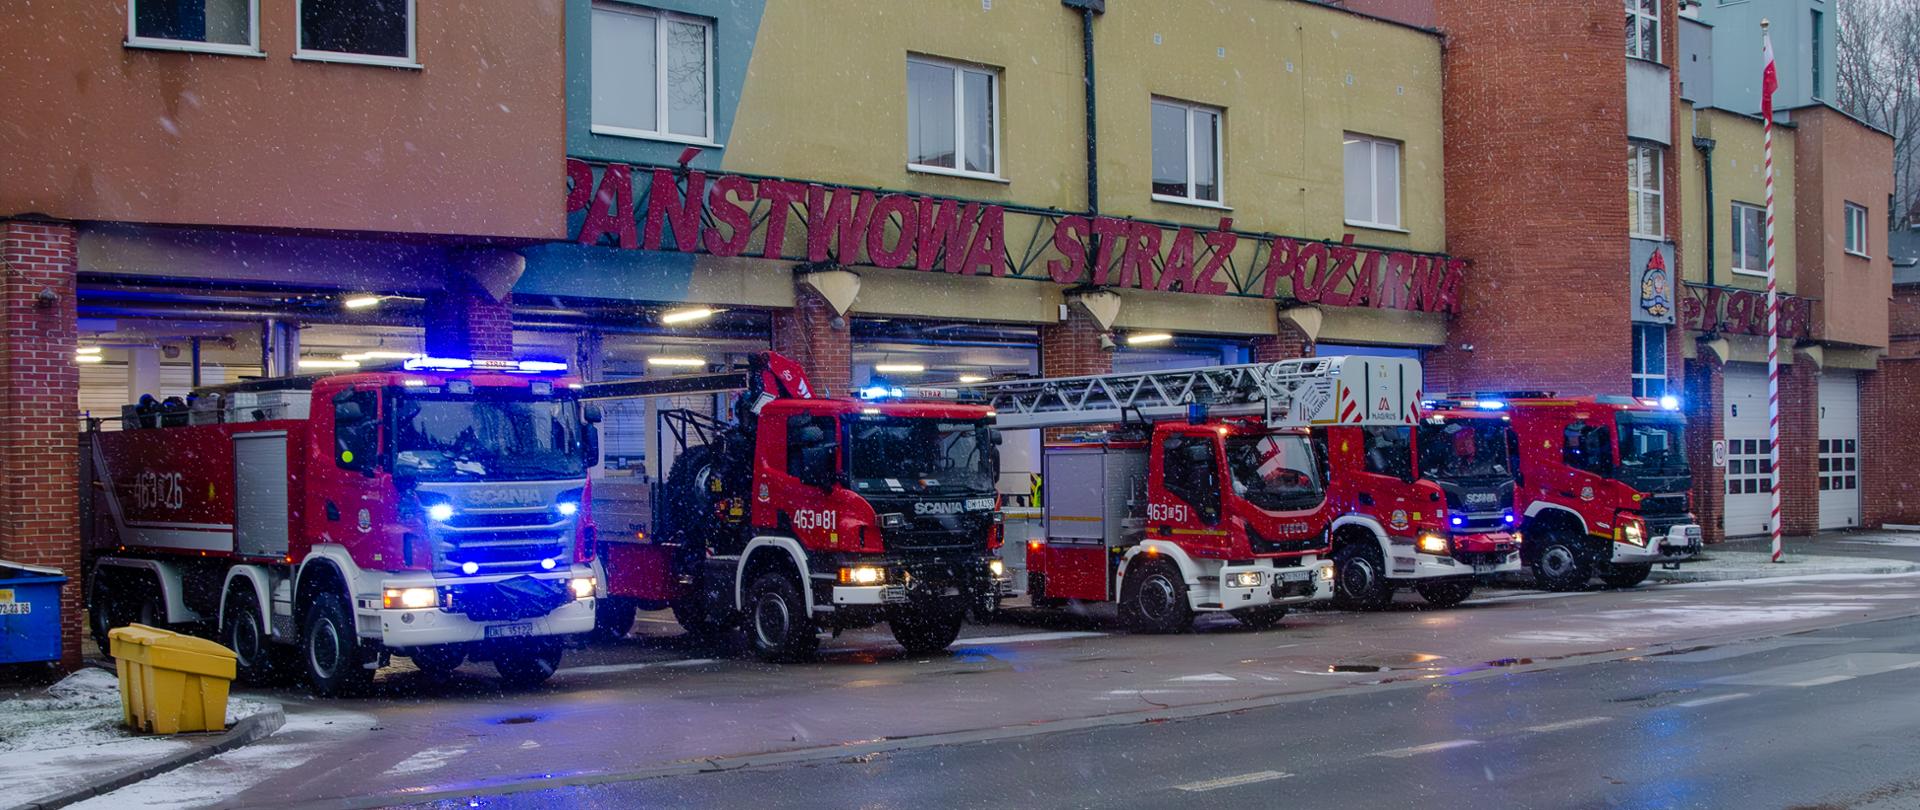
(163, 576)
(1158, 550)
(772, 552)
(1358, 529)
(248, 579)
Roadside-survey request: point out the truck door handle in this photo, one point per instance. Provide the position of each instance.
(1366, 499)
(333, 512)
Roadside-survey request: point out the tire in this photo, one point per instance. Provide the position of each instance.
(527, 664)
(778, 626)
(926, 629)
(256, 660)
(1261, 618)
(438, 662)
(1360, 576)
(1445, 594)
(1154, 599)
(613, 617)
(1561, 565)
(1627, 576)
(1037, 593)
(110, 605)
(330, 649)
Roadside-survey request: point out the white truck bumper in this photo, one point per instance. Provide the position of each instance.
(1679, 543)
(1263, 584)
(422, 627)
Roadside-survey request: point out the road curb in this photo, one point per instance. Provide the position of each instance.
(1689, 573)
(251, 728)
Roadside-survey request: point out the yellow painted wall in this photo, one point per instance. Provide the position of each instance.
(1738, 176)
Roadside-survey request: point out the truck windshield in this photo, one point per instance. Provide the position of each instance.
(904, 454)
(1274, 473)
(1461, 449)
(1652, 444)
(495, 438)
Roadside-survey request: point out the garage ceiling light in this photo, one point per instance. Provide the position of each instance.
(688, 315)
(972, 378)
(899, 368)
(1148, 338)
(89, 358)
(677, 362)
(87, 350)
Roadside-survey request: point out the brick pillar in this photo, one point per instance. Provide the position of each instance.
(1072, 349)
(467, 322)
(1705, 403)
(1799, 448)
(1889, 410)
(39, 404)
(1289, 344)
(806, 334)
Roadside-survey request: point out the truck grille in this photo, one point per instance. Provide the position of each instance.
(504, 541)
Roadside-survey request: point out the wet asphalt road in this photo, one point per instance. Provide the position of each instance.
(1818, 720)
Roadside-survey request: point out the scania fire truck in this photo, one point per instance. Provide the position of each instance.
(436, 509)
(807, 515)
(1205, 492)
(1604, 484)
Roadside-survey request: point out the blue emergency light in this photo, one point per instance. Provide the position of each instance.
(881, 392)
(437, 364)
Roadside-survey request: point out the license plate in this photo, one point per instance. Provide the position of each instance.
(509, 630)
(1295, 576)
(1485, 568)
(15, 608)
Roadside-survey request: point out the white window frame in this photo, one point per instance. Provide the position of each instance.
(1639, 373)
(1854, 212)
(1636, 152)
(1650, 53)
(1733, 259)
(1219, 153)
(660, 112)
(252, 48)
(960, 71)
(411, 60)
(1373, 181)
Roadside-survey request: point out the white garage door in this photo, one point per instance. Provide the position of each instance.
(1839, 450)
(1749, 473)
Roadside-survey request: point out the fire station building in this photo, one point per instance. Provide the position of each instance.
(926, 192)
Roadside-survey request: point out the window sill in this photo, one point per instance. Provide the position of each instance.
(357, 59)
(960, 173)
(1755, 273)
(183, 46)
(643, 135)
(1856, 254)
(1189, 201)
(1649, 237)
(1375, 226)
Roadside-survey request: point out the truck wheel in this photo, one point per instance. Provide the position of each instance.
(254, 659)
(1037, 593)
(527, 664)
(1561, 566)
(613, 617)
(1154, 599)
(331, 648)
(778, 626)
(696, 617)
(115, 602)
(437, 662)
(924, 629)
(1360, 577)
(1261, 618)
(1445, 594)
(1626, 576)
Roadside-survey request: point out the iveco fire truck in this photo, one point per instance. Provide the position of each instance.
(436, 509)
(808, 515)
(1205, 493)
(1604, 485)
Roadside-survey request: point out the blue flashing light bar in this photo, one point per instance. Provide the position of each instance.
(1670, 402)
(1490, 405)
(437, 364)
(881, 392)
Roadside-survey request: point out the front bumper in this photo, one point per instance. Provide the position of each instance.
(907, 582)
(1473, 555)
(1681, 542)
(421, 627)
(1263, 584)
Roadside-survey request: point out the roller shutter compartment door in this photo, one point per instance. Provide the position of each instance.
(1839, 448)
(1749, 472)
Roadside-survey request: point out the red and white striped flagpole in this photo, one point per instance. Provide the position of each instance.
(1770, 81)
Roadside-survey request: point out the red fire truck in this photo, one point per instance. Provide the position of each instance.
(808, 515)
(1427, 504)
(1209, 496)
(1604, 484)
(436, 509)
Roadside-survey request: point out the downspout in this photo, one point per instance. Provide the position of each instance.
(1089, 8)
(1705, 145)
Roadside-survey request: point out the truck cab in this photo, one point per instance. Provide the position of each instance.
(1604, 487)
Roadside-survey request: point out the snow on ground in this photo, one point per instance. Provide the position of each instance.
(71, 733)
(307, 733)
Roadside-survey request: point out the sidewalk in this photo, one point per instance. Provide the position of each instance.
(1828, 553)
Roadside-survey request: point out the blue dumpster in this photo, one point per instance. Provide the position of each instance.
(29, 613)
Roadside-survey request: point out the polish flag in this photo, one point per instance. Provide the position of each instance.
(1769, 78)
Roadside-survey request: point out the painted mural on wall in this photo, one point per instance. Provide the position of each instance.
(655, 208)
(1653, 283)
(1732, 311)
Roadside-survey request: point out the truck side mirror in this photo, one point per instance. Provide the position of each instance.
(590, 442)
(592, 414)
(998, 438)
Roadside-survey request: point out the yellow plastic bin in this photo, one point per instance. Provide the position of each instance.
(169, 682)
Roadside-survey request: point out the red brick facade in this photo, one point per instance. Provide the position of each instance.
(806, 334)
(470, 323)
(39, 383)
(1072, 349)
(1889, 443)
(1289, 344)
(1704, 398)
(1799, 448)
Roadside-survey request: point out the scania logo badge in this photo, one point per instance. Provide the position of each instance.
(503, 496)
(939, 508)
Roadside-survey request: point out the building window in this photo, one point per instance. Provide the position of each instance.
(1749, 242)
(211, 26)
(1643, 29)
(1373, 181)
(1186, 152)
(1856, 229)
(953, 118)
(1646, 191)
(1649, 360)
(373, 32)
(652, 74)
(1814, 35)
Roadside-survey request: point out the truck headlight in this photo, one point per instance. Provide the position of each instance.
(997, 568)
(440, 512)
(568, 508)
(1632, 532)
(410, 598)
(1244, 579)
(863, 575)
(893, 520)
(1326, 572)
(1431, 543)
(580, 587)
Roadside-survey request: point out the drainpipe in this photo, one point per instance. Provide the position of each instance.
(1089, 8)
(1705, 145)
